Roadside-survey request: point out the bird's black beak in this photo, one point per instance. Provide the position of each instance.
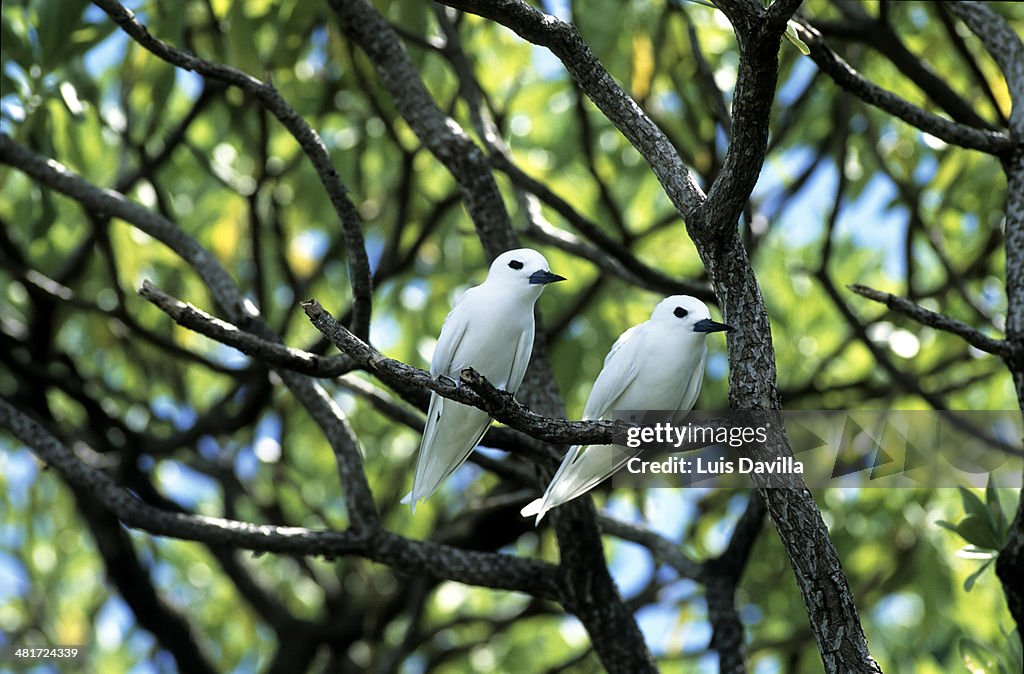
(708, 325)
(543, 276)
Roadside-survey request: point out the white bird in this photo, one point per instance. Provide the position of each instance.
(657, 365)
(490, 329)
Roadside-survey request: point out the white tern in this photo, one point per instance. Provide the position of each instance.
(490, 329)
(657, 365)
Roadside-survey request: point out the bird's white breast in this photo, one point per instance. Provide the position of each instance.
(665, 365)
(495, 325)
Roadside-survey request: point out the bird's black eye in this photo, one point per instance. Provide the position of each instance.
(680, 312)
(515, 264)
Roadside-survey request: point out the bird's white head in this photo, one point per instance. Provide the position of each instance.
(687, 312)
(522, 268)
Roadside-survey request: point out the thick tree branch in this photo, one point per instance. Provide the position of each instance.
(495, 570)
(565, 42)
(1005, 47)
(758, 37)
(935, 320)
(445, 139)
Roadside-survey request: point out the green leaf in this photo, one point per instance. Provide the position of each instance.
(977, 530)
(57, 18)
(795, 39)
(973, 578)
(995, 508)
(972, 504)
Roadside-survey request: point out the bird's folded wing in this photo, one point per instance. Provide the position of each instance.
(452, 331)
(620, 369)
(451, 433)
(520, 361)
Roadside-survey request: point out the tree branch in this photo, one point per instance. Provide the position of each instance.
(758, 39)
(494, 570)
(845, 76)
(565, 42)
(271, 353)
(475, 390)
(1004, 46)
(935, 320)
(443, 136)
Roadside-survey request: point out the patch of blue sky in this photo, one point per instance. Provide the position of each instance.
(751, 614)
(20, 470)
(318, 40)
(631, 565)
(269, 427)
(717, 366)
(666, 634)
(188, 487)
(228, 356)
(768, 665)
(14, 580)
(209, 448)
(108, 53)
(247, 465)
(681, 590)
(720, 532)
(312, 242)
(779, 170)
(112, 623)
(163, 573)
(669, 512)
(925, 169)
(491, 453)
(166, 408)
(374, 250)
(459, 483)
(12, 536)
(799, 77)
(898, 610)
(546, 64)
(559, 8)
(189, 83)
(385, 331)
(868, 221)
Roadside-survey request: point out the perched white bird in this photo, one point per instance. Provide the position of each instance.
(657, 365)
(490, 329)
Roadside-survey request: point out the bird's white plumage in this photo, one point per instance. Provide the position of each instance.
(657, 365)
(490, 329)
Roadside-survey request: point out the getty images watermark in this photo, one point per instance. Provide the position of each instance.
(875, 449)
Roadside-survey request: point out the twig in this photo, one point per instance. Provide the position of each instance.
(274, 354)
(936, 320)
(845, 76)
